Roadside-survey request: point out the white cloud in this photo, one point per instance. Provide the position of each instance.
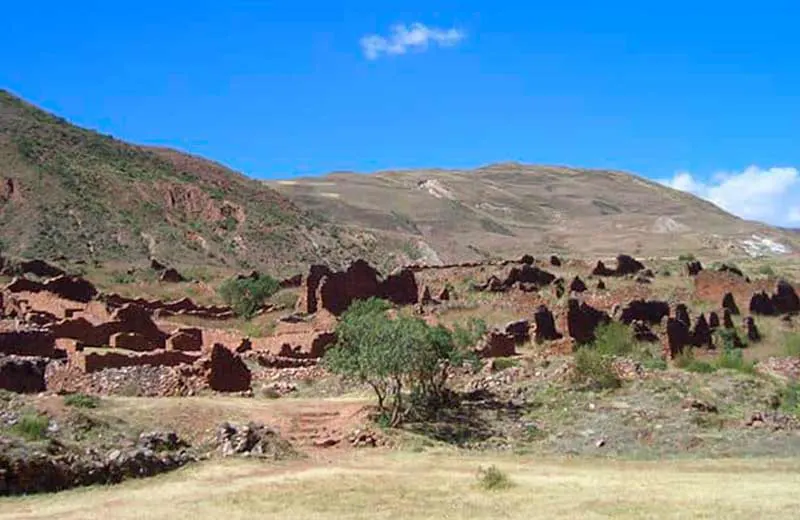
(753, 194)
(402, 37)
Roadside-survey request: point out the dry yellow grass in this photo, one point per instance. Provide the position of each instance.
(438, 485)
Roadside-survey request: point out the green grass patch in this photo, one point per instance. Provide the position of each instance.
(32, 426)
(80, 400)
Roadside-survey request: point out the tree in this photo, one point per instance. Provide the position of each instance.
(395, 356)
(246, 295)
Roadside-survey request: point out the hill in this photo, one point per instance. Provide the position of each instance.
(504, 210)
(71, 193)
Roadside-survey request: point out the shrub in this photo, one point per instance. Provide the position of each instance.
(394, 356)
(80, 400)
(687, 362)
(766, 270)
(790, 398)
(732, 359)
(614, 339)
(687, 257)
(32, 427)
(504, 363)
(493, 479)
(729, 339)
(246, 295)
(792, 345)
(596, 369)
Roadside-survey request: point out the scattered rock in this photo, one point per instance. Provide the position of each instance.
(252, 440)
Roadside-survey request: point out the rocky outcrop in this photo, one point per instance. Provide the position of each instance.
(729, 302)
(252, 440)
(678, 337)
(225, 371)
(545, 325)
(762, 304)
(648, 311)
(701, 334)
(519, 330)
(751, 330)
(626, 265)
(37, 471)
(497, 344)
(577, 285)
(583, 320)
(171, 275)
(23, 374)
(693, 268)
(682, 314)
(785, 298)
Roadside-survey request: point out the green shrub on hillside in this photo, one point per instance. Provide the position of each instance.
(246, 295)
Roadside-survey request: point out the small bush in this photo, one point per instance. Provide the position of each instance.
(32, 427)
(792, 345)
(733, 360)
(504, 363)
(790, 398)
(122, 278)
(596, 369)
(81, 400)
(614, 339)
(246, 295)
(655, 363)
(730, 340)
(766, 270)
(493, 479)
(687, 257)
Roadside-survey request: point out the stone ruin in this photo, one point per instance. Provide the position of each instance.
(334, 291)
(783, 301)
(626, 265)
(583, 320)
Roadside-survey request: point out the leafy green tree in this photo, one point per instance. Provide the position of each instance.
(246, 295)
(395, 357)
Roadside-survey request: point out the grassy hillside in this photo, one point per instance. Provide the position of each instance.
(67, 192)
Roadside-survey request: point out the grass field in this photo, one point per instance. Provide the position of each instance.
(438, 485)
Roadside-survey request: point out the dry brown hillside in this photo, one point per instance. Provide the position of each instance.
(503, 210)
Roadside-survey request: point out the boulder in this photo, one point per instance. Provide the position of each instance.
(252, 440)
(582, 320)
(785, 299)
(555, 261)
(727, 319)
(642, 332)
(649, 311)
(628, 265)
(519, 330)
(761, 303)
(225, 371)
(728, 302)
(682, 314)
(601, 285)
(545, 325)
(713, 320)
(171, 275)
(753, 334)
(701, 335)
(577, 285)
(678, 337)
(693, 268)
(527, 259)
(497, 344)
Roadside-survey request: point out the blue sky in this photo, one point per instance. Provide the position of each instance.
(702, 95)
